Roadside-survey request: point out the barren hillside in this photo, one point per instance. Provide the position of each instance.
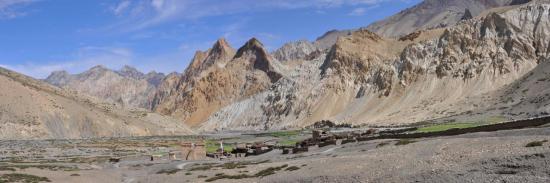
(30, 109)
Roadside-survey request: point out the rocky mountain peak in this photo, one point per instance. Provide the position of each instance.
(220, 53)
(467, 15)
(221, 46)
(258, 58)
(98, 68)
(251, 46)
(131, 72)
(58, 78)
(431, 14)
(295, 50)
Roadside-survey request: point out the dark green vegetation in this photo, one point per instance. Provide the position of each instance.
(168, 171)
(229, 165)
(460, 125)
(213, 146)
(7, 169)
(38, 166)
(292, 168)
(270, 171)
(382, 144)
(536, 143)
(445, 127)
(263, 173)
(285, 138)
(223, 176)
(404, 142)
(24, 178)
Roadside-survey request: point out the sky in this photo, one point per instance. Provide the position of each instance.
(38, 37)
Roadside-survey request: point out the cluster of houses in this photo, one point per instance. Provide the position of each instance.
(196, 150)
(242, 150)
(323, 137)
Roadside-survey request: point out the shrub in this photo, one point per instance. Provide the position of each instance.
(17, 177)
(292, 168)
(382, 144)
(536, 143)
(404, 142)
(168, 171)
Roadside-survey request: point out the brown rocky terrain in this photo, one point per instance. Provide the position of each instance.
(368, 79)
(455, 69)
(215, 79)
(31, 109)
(431, 14)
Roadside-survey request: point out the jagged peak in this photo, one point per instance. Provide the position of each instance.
(131, 72)
(253, 45)
(59, 73)
(220, 51)
(327, 34)
(467, 15)
(127, 68)
(198, 59)
(222, 45)
(365, 33)
(258, 58)
(97, 69)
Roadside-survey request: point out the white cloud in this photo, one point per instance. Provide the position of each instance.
(358, 12)
(10, 9)
(121, 7)
(146, 13)
(84, 59)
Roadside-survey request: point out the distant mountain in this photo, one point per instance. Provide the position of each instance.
(127, 87)
(32, 109)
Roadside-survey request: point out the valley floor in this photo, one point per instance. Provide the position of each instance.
(501, 156)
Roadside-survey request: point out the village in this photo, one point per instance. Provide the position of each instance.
(322, 134)
(235, 156)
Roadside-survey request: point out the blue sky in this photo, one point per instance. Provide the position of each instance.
(41, 36)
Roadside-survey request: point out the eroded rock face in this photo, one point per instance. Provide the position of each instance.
(295, 51)
(365, 78)
(127, 87)
(196, 96)
(434, 14)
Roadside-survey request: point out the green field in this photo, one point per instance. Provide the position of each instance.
(285, 133)
(288, 142)
(461, 125)
(212, 146)
(445, 127)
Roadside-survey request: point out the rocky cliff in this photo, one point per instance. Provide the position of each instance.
(431, 14)
(457, 59)
(211, 84)
(369, 79)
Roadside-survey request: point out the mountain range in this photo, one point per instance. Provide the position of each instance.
(437, 61)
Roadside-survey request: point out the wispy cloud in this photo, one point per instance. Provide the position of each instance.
(120, 7)
(84, 58)
(358, 12)
(146, 13)
(10, 9)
